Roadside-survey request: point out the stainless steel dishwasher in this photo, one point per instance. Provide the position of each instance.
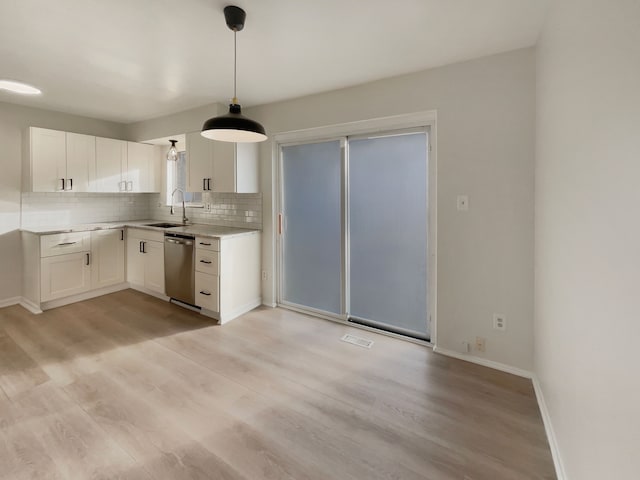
(179, 271)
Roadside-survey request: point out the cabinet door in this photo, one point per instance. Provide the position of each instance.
(135, 262)
(48, 159)
(111, 155)
(107, 252)
(154, 266)
(81, 162)
(247, 180)
(64, 275)
(224, 167)
(199, 151)
(140, 175)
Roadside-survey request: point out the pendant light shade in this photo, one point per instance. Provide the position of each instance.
(233, 126)
(172, 154)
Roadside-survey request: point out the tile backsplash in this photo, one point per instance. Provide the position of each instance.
(66, 208)
(242, 210)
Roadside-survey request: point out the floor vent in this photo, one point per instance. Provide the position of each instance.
(361, 342)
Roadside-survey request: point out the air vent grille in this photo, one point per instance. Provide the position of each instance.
(361, 342)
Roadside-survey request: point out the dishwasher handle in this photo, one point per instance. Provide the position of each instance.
(179, 241)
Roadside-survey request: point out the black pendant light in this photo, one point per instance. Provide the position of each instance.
(234, 127)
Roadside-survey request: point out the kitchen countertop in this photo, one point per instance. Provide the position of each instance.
(198, 229)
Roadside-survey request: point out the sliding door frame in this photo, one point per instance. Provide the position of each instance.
(426, 121)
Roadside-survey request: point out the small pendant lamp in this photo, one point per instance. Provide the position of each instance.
(172, 154)
(234, 127)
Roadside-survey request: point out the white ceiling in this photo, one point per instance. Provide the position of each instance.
(130, 60)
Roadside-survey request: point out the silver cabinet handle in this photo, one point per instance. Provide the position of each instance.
(64, 244)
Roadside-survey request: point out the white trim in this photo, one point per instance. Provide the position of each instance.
(8, 302)
(30, 306)
(548, 427)
(396, 122)
(83, 296)
(241, 310)
(152, 293)
(269, 304)
(484, 362)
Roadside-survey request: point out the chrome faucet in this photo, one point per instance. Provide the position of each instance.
(184, 211)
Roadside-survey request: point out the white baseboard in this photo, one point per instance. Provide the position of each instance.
(7, 302)
(551, 435)
(484, 362)
(256, 302)
(270, 305)
(149, 292)
(30, 306)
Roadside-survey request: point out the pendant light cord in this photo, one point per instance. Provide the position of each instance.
(235, 65)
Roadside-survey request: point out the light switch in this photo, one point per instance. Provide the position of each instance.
(463, 203)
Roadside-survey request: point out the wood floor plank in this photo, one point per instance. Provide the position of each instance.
(128, 386)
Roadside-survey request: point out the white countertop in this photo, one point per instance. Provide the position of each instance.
(198, 229)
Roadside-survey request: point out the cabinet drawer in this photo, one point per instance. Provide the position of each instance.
(207, 262)
(211, 244)
(144, 234)
(63, 243)
(207, 291)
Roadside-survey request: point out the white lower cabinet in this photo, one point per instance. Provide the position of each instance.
(64, 275)
(107, 258)
(59, 267)
(227, 278)
(145, 259)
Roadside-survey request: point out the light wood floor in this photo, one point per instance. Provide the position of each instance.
(127, 386)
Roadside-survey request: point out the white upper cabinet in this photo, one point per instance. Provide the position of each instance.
(221, 166)
(81, 163)
(142, 170)
(58, 161)
(199, 165)
(46, 160)
(111, 155)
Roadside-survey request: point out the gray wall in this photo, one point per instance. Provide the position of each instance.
(587, 320)
(486, 116)
(13, 120)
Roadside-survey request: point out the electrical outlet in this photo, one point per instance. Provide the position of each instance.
(264, 275)
(481, 344)
(499, 322)
(466, 347)
(207, 207)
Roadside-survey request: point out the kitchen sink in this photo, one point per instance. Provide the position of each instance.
(164, 225)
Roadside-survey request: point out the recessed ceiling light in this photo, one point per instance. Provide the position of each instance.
(19, 87)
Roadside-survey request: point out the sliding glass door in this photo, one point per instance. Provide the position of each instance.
(388, 232)
(354, 230)
(312, 226)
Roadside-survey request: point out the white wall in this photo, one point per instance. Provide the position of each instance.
(13, 120)
(587, 232)
(485, 150)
